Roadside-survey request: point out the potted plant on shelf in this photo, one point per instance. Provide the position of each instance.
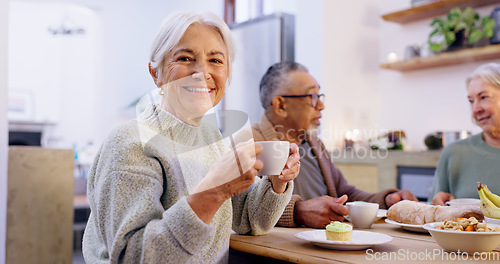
(460, 29)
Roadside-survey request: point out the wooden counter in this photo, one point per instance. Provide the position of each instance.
(281, 244)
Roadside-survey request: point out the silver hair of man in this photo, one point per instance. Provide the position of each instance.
(489, 73)
(274, 80)
(173, 28)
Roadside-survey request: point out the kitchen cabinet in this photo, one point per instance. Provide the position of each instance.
(39, 205)
(431, 9)
(363, 176)
(377, 170)
(436, 8)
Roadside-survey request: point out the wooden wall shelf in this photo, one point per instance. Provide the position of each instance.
(446, 58)
(433, 9)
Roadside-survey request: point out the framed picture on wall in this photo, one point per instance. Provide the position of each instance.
(20, 106)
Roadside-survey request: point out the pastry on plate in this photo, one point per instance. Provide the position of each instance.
(415, 213)
(338, 231)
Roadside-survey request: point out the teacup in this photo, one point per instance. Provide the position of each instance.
(463, 201)
(362, 214)
(274, 156)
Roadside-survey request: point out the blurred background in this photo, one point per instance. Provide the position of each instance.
(79, 66)
(72, 70)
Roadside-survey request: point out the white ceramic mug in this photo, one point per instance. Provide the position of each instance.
(274, 156)
(362, 214)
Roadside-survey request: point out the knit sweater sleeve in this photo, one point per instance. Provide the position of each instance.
(257, 210)
(128, 223)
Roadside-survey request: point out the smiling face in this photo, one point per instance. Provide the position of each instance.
(484, 99)
(300, 113)
(194, 73)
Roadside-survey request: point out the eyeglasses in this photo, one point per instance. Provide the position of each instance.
(315, 98)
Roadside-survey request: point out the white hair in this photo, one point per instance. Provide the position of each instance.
(275, 79)
(173, 28)
(489, 73)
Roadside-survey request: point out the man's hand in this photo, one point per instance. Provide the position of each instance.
(395, 197)
(319, 212)
(442, 197)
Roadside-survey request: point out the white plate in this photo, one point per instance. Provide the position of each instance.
(414, 228)
(360, 239)
(463, 201)
(495, 221)
(380, 214)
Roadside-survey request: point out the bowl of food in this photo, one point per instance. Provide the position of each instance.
(465, 235)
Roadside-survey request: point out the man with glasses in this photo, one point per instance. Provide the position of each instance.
(293, 103)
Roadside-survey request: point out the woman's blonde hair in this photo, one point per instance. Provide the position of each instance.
(173, 28)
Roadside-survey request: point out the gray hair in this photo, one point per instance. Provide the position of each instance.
(489, 73)
(274, 80)
(173, 28)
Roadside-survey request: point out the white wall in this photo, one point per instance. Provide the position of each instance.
(61, 72)
(423, 101)
(308, 32)
(350, 69)
(4, 7)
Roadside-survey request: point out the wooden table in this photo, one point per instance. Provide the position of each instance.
(406, 247)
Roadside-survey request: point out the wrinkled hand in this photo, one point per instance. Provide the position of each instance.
(395, 197)
(290, 172)
(320, 211)
(234, 175)
(442, 197)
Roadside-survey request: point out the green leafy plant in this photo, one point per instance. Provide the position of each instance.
(466, 24)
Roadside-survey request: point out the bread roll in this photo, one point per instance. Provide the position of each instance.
(415, 213)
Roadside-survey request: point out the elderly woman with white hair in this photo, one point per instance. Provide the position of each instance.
(164, 188)
(475, 159)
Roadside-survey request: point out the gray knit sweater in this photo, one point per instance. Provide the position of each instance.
(137, 189)
(464, 163)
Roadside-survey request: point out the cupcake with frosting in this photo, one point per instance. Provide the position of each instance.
(338, 231)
